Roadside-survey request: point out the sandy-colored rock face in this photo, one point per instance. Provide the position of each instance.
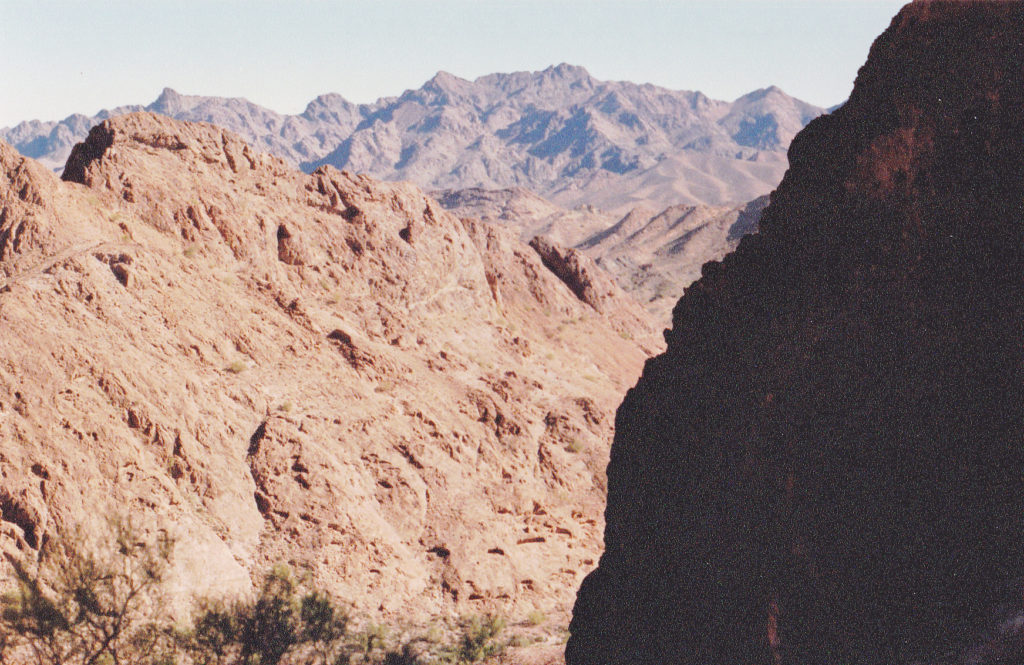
(317, 369)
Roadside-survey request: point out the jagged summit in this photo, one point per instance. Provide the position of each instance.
(559, 132)
(824, 467)
(443, 80)
(188, 142)
(567, 71)
(168, 99)
(763, 92)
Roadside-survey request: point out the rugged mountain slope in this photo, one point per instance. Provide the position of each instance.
(326, 122)
(576, 140)
(653, 256)
(825, 465)
(558, 132)
(526, 214)
(321, 369)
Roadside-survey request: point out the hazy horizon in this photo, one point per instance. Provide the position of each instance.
(74, 57)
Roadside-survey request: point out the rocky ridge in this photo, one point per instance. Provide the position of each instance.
(824, 466)
(526, 214)
(326, 121)
(320, 369)
(559, 132)
(652, 255)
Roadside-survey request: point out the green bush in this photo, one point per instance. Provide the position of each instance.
(89, 601)
(282, 624)
(98, 602)
(479, 639)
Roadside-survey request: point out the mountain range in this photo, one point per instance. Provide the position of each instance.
(559, 132)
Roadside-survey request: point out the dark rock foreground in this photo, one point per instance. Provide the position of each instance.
(826, 464)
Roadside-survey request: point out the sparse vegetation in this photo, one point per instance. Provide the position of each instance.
(237, 367)
(574, 446)
(98, 602)
(190, 251)
(479, 639)
(536, 618)
(282, 625)
(89, 601)
(519, 641)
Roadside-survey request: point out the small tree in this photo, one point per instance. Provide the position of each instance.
(280, 625)
(89, 601)
(479, 640)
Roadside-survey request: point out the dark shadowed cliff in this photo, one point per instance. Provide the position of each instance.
(826, 464)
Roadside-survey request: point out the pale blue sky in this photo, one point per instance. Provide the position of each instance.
(78, 56)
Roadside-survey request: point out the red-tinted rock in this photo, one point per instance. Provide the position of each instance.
(322, 370)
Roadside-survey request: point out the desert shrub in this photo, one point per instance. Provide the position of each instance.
(89, 601)
(479, 638)
(370, 640)
(97, 602)
(281, 625)
(406, 655)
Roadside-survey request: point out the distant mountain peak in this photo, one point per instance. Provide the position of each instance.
(761, 93)
(564, 72)
(326, 103)
(557, 131)
(568, 71)
(447, 82)
(170, 102)
(327, 99)
(169, 97)
(443, 78)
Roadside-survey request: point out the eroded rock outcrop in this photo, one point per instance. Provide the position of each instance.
(578, 271)
(321, 370)
(652, 255)
(825, 466)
